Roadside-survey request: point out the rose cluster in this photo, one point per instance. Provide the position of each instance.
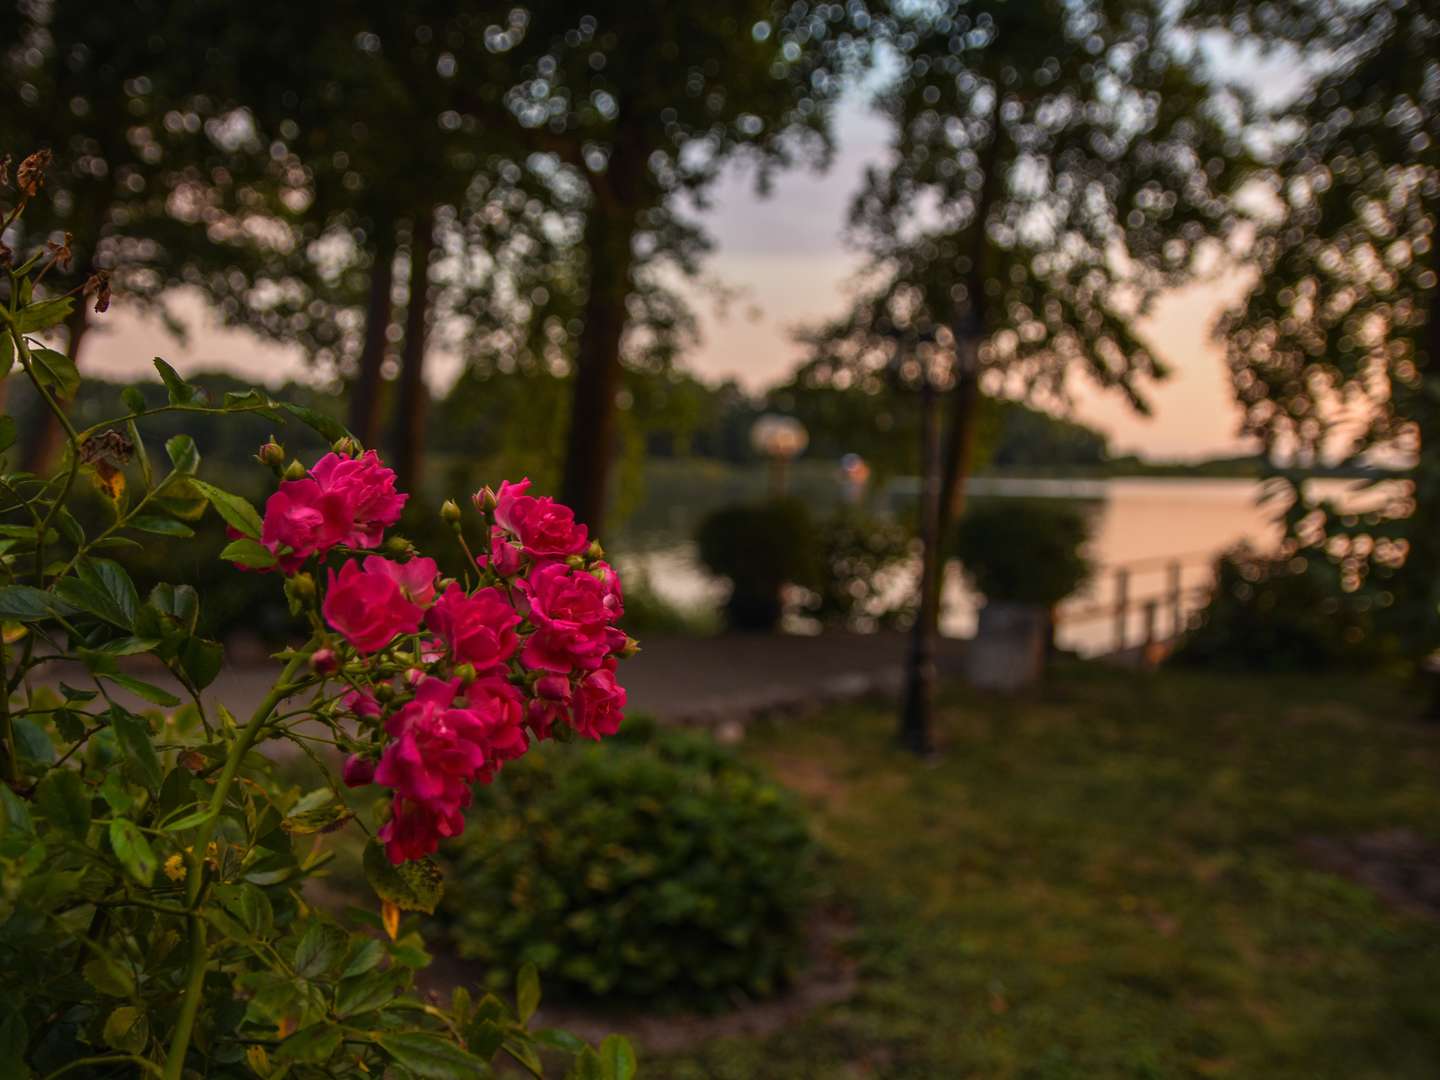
(452, 679)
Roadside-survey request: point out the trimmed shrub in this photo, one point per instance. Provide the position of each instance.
(863, 560)
(761, 548)
(657, 868)
(1025, 551)
(1286, 613)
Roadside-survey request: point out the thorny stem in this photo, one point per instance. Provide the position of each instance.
(199, 952)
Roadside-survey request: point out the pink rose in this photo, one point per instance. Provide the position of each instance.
(362, 705)
(545, 528)
(342, 501)
(367, 490)
(415, 830)
(435, 750)
(572, 611)
(415, 579)
(501, 710)
(599, 704)
(478, 628)
(549, 706)
(367, 606)
(505, 557)
(358, 771)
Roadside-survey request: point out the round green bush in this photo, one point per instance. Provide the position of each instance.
(1025, 551)
(656, 868)
(761, 548)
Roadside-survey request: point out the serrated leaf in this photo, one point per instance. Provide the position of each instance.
(127, 1029)
(365, 954)
(315, 1044)
(133, 850)
(527, 993)
(411, 886)
(65, 802)
(201, 660)
(36, 317)
(56, 371)
(180, 392)
(617, 1058)
(248, 553)
(370, 991)
(431, 1057)
(161, 526)
(134, 739)
(237, 512)
(25, 603)
(327, 426)
(134, 399)
(321, 947)
(184, 454)
(31, 741)
(108, 975)
(149, 691)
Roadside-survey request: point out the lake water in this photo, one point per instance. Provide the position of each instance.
(1143, 523)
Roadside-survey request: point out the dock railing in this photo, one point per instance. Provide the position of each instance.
(1147, 601)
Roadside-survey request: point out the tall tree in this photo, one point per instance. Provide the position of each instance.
(1053, 166)
(1336, 350)
(644, 103)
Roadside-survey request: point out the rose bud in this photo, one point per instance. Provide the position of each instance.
(324, 661)
(450, 511)
(271, 453)
(346, 447)
(358, 771)
(484, 499)
(294, 471)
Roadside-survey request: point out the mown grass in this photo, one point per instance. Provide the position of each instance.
(1104, 880)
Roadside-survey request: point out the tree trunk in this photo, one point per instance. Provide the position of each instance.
(365, 393)
(609, 232)
(409, 441)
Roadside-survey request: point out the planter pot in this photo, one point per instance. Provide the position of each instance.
(1008, 650)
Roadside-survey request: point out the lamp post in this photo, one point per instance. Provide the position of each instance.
(914, 352)
(778, 439)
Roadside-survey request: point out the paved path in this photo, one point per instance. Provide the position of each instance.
(683, 680)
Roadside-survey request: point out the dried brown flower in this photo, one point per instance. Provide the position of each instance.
(107, 454)
(99, 284)
(4, 169)
(60, 253)
(30, 176)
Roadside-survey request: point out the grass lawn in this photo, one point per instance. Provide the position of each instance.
(1105, 880)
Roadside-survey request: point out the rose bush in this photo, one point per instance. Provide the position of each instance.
(152, 866)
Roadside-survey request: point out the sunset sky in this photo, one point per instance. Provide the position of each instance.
(787, 256)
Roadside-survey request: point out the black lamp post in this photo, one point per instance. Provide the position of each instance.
(914, 350)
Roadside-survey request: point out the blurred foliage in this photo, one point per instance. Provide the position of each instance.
(1335, 350)
(656, 868)
(866, 574)
(1288, 613)
(1025, 551)
(1106, 880)
(761, 548)
(650, 615)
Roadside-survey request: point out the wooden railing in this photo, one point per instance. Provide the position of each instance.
(1136, 613)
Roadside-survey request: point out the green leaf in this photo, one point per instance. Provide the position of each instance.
(127, 1029)
(365, 954)
(56, 371)
(108, 975)
(327, 426)
(42, 316)
(411, 886)
(315, 1044)
(25, 603)
(110, 578)
(31, 741)
(201, 660)
(189, 821)
(527, 993)
(321, 948)
(133, 850)
(134, 739)
(370, 991)
(66, 803)
(149, 691)
(14, 814)
(8, 430)
(14, 1037)
(127, 646)
(431, 1057)
(617, 1058)
(184, 454)
(134, 399)
(83, 596)
(162, 526)
(248, 553)
(556, 1039)
(237, 512)
(586, 1066)
(7, 359)
(181, 392)
(114, 792)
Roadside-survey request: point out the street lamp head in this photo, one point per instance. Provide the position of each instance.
(779, 437)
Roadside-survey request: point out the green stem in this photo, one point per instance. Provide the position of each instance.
(199, 952)
(103, 1059)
